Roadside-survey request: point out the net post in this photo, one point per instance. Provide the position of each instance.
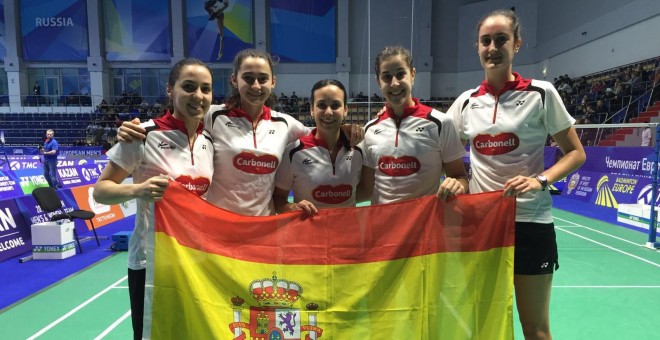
(651, 243)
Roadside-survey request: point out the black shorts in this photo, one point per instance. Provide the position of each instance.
(536, 249)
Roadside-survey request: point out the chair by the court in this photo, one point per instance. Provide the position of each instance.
(49, 201)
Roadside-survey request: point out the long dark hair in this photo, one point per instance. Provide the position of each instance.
(233, 98)
(174, 75)
(327, 82)
(507, 13)
(391, 51)
(175, 72)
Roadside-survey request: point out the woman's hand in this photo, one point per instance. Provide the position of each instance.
(153, 189)
(131, 131)
(521, 185)
(450, 187)
(354, 132)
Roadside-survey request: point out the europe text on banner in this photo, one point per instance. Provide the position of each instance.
(421, 269)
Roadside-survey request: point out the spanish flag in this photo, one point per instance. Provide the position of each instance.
(419, 269)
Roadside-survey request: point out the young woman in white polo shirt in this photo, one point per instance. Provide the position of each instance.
(321, 168)
(410, 145)
(507, 119)
(175, 147)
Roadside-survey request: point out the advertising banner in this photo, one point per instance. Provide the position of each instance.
(64, 151)
(618, 180)
(54, 30)
(15, 237)
(105, 214)
(33, 214)
(309, 23)
(77, 172)
(24, 173)
(634, 161)
(137, 30)
(9, 185)
(218, 29)
(31, 178)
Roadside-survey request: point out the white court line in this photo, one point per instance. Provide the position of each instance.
(612, 248)
(600, 232)
(71, 312)
(113, 326)
(617, 287)
(7, 235)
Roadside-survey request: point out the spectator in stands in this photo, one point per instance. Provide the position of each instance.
(294, 98)
(566, 88)
(91, 128)
(36, 89)
(102, 107)
(656, 84)
(597, 87)
(601, 107)
(633, 85)
(50, 150)
(646, 136)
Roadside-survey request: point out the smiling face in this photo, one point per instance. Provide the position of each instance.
(395, 79)
(192, 92)
(497, 44)
(329, 108)
(255, 82)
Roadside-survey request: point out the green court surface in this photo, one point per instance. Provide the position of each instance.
(606, 288)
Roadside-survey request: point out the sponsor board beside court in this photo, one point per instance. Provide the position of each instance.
(105, 214)
(25, 173)
(15, 237)
(618, 181)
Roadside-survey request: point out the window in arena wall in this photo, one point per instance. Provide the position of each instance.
(57, 82)
(4, 90)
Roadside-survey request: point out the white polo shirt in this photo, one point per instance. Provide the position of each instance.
(507, 133)
(407, 153)
(246, 159)
(164, 151)
(308, 169)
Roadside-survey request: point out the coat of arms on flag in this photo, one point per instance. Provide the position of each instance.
(274, 318)
(419, 269)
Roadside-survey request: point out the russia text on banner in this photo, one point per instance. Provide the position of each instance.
(420, 269)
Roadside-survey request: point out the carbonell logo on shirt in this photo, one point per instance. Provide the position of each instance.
(399, 166)
(496, 145)
(329, 194)
(197, 185)
(253, 164)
